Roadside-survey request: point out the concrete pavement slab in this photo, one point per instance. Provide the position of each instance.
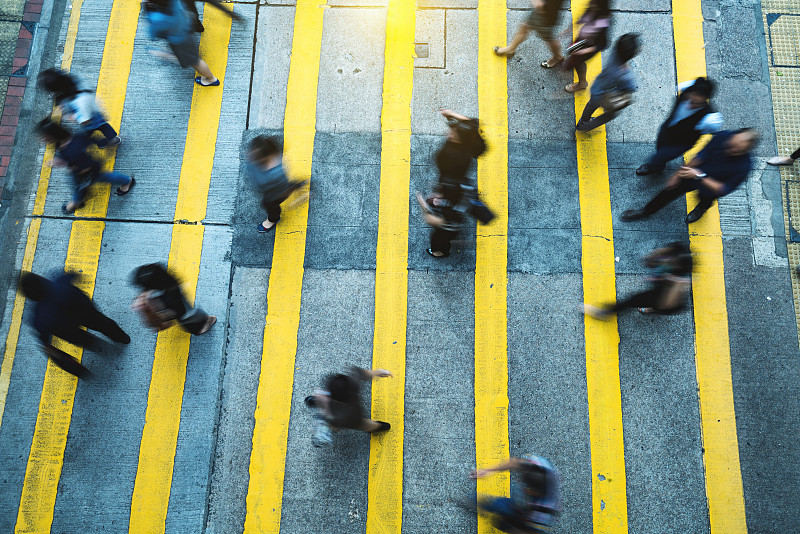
(271, 66)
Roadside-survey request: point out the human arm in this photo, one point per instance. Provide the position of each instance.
(511, 463)
(217, 4)
(369, 374)
(709, 183)
(710, 124)
(450, 114)
(538, 4)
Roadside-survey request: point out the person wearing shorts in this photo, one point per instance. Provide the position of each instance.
(169, 21)
(542, 19)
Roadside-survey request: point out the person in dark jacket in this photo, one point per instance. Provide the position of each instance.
(691, 116)
(716, 171)
(340, 402)
(447, 208)
(70, 151)
(60, 310)
(197, 25)
(162, 302)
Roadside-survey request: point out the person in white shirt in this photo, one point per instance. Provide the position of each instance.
(692, 116)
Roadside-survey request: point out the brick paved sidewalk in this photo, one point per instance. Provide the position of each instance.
(18, 21)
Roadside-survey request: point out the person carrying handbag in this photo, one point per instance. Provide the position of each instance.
(591, 39)
(614, 87)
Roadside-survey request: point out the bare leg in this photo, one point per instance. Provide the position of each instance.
(519, 38)
(555, 50)
(580, 70)
(205, 72)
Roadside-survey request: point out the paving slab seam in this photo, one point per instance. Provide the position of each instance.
(118, 220)
(252, 68)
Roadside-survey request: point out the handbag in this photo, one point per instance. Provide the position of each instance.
(574, 47)
(480, 211)
(616, 100)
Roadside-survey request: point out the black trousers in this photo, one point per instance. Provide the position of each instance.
(671, 193)
(194, 321)
(92, 319)
(273, 207)
(795, 154)
(441, 240)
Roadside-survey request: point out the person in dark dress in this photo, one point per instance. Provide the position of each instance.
(60, 310)
(592, 38)
(716, 171)
(162, 302)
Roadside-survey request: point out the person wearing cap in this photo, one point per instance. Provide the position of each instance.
(692, 116)
(535, 500)
(716, 171)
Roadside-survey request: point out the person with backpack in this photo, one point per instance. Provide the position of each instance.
(692, 116)
(265, 168)
(168, 20)
(614, 87)
(670, 284)
(71, 151)
(455, 196)
(78, 103)
(61, 309)
(339, 406)
(162, 303)
(535, 500)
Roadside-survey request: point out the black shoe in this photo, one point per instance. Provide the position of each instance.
(383, 428)
(646, 169)
(633, 215)
(694, 216)
(310, 401)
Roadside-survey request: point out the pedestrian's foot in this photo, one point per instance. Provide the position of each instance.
(124, 339)
(633, 215)
(646, 310)
(583, 126)
(198, 26)
(264, 229)
(209, 323)
(205, 82)
(694, 216)
(125, 189)
(503, 51)
(310, 401)
(437, 253)
(779, 161)
(69, 207)
(576, 86)
(646, 169)
(383, 428)
(105, 143)
(550, 63)
(594, 311)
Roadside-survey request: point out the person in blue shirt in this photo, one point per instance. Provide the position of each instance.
(717, 170)
(265, 168)
(169, 21)
(615, 78)
(692, 116)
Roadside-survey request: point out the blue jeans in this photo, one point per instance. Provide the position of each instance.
(114, 178)
(665, 154)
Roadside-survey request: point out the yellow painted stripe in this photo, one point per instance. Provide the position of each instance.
(385, 497)
(609, 501)
(268, 456)
(491, 263)
(164, 400)
(33, 228)
(46, 457)
(712, 345)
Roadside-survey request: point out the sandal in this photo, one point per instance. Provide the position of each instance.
(430, 251)
(199, 81)
(546, 64)
(120, 192)
(575, 87)
(496, 51)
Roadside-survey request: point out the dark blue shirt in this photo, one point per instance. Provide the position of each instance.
(62, 309)
(722, 167)
(82, 165)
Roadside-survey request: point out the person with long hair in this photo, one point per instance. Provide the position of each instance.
(591, 39)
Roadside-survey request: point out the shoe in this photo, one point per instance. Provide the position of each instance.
(310, 401)
(120, 192)
(646, 169)
(264, 230)
(383, 428)
(779, 161)
(583, 126)
(197, 26)
(633, 215)
(68, 212)
(110, 142)
(546, 64)
(496, 51)
(694, 216)
(597, 313)
(430, 251)
(575, 87)
(199, 81)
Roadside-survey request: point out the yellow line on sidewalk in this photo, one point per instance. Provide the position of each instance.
(46, 457)
(153, 483)
(609, 500)
(491, 261)
(274, 398)
(712, 345)
(33, 227)
(385, 498)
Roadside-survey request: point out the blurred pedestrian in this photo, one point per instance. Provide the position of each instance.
(70, 151)
(716, 171)
(614, 87)
(670, 283)
(265, 168)
(78, 103)
(60, 310)
(542, 19)
(782, 161)
(169, 21)
(455, 195)
(197, 25)
(162, 303)
(591, 39)
(691, 116)
(339, 404)
(535, 500)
